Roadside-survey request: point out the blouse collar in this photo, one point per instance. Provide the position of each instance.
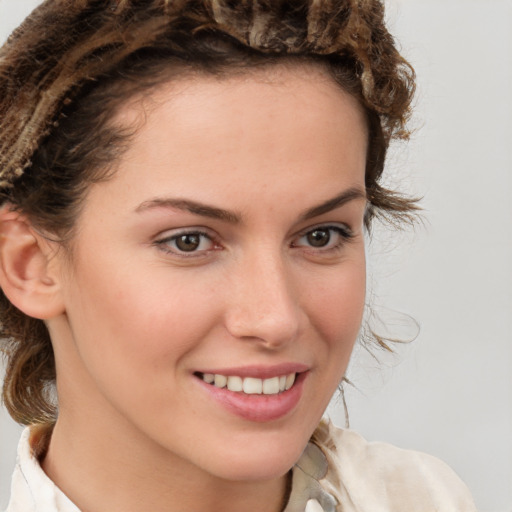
(307, 493)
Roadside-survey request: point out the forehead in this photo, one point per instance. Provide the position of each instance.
(203, 135)
(304, 82)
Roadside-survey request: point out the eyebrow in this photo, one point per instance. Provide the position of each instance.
(231, 217)
(346, 196)
(193, 207)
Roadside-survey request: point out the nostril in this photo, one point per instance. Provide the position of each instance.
(273, 329)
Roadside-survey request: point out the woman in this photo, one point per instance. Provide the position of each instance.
(185, 188)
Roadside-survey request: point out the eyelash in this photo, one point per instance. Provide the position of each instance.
(164, 243)
(344, 232)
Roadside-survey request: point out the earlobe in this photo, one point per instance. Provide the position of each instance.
(25, 275)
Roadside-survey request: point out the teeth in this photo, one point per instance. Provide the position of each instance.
(251, 385)
(209, 378)
(235, 384)
(271, 386)
(290, 379)
(220, 381)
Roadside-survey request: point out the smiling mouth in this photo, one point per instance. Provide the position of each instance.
(250, 385)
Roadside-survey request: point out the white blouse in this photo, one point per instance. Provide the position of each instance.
(338, 472)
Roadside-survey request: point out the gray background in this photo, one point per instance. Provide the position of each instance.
(450, 391)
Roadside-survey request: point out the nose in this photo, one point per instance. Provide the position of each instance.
(264, 303)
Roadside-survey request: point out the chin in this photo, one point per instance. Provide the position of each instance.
(256, 469)
(262, 459)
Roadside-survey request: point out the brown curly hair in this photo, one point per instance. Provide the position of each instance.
(67, 69)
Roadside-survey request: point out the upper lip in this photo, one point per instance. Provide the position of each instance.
(258, 371)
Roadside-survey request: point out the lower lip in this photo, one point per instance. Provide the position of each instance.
(258, 408)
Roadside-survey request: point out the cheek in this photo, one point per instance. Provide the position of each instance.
(147, 316)
(335, 311)
(132, 329)
(339, 306)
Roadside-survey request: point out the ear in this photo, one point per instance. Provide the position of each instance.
(28, 275)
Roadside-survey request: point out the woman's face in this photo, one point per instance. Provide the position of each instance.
(229, 247)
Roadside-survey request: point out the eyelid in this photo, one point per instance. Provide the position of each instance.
(343, 230)
(337, 226)
(163, 239)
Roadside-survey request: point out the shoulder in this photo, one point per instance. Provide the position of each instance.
(378, 476)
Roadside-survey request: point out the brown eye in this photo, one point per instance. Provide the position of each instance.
(188, 242)
(325, 238)
(318, 237)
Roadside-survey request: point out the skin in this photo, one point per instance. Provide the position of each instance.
(136, 429)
